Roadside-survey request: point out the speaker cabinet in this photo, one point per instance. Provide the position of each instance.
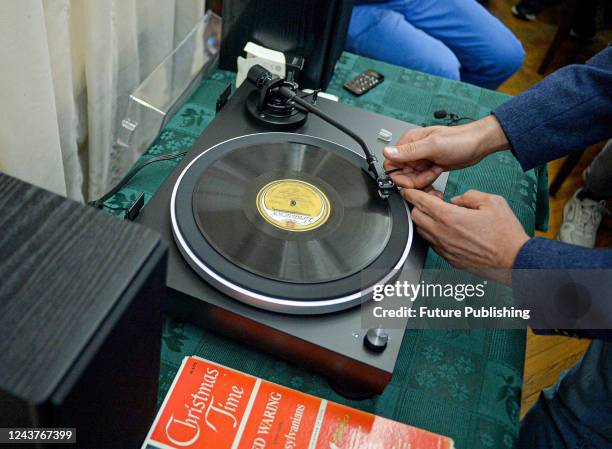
(80, 319)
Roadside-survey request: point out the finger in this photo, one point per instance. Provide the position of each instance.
(409, 152)
(388, 165)
(471, 199)
(426, 178)
(403, 181)
(450, 258)
(448, 255)
(411, 179)
(434, 192)
(409, 169)
(430, 204)
(421, 165)
(427, 228)
(426, 236)
(424, 222)
(402, 177)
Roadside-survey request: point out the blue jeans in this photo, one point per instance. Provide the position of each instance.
(576, 413)
(456, 39)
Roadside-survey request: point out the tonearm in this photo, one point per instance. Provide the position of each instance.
(280, 103)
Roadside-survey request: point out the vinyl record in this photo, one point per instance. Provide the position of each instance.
(288, 223)
(291, 212)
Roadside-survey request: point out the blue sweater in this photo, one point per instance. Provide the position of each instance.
(568, 111)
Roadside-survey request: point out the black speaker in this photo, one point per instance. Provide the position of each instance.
(80, 319)
(314, 29)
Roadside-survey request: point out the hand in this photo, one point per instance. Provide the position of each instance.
(423, 153)
(476, 231)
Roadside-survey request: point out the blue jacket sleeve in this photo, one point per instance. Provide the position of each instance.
(543, 265)
(565, 112)
(545, 254)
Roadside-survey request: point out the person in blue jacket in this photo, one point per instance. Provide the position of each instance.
(477, 231)
(455, 39)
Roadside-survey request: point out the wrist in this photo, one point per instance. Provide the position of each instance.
(510, 254)
(491, 136)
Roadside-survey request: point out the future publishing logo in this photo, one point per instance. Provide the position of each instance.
(444, 301)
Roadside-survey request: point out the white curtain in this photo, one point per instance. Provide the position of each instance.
(68, 67)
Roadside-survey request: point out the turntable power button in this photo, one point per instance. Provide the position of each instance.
(376, 340)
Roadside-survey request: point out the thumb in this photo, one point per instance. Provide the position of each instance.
(471, 199)
(409, 152)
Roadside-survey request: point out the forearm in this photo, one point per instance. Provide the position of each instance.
(565, 112)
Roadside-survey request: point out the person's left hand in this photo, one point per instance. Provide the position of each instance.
(476, 231)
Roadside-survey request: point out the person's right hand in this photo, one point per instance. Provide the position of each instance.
(423, 153)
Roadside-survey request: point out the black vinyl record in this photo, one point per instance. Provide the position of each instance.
(288, 222)
(322, 223)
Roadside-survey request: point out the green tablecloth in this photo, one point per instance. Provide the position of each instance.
(464, 384)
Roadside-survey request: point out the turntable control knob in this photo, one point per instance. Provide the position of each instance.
(376, 340)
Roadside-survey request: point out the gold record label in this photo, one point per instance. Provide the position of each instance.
(293, 205)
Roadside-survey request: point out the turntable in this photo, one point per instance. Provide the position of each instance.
(283, 221)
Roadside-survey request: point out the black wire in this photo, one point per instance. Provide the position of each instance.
(287, 93)
(115, 208)
(458, 119)
(313, 94)
(388, 172)
(99, 203)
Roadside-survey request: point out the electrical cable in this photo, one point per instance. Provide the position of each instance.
(456, 120)
(388, 172)
(385, 184)
(115, 208)
(99, 203)
(452, 119)
(310, 108)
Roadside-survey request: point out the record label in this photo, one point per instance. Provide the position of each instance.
(293, 205)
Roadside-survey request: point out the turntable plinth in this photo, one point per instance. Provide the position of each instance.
(330, 343)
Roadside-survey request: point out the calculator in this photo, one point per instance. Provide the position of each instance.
(364, 82)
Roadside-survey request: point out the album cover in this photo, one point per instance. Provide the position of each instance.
(210, 406)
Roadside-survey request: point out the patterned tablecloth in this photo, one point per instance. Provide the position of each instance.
(464, 384)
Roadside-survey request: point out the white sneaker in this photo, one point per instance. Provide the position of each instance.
(581, 219)
(521, 12)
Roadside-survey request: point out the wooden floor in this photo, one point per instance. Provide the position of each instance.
(547, 357)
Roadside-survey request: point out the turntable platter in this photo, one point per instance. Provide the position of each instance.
(291, 212)
(288, 222)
